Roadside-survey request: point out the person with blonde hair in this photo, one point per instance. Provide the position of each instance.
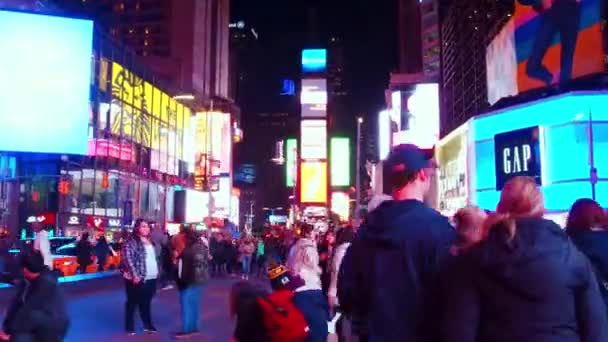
(525, 282)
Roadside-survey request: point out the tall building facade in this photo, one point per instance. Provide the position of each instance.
(466, 29)
(430, 42)
(186, 42)
(410, 44)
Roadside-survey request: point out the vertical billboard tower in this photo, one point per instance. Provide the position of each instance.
(312, 173)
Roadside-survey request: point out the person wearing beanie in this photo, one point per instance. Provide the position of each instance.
(38, 310)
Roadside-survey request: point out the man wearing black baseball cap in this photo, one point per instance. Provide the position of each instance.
(389, 275)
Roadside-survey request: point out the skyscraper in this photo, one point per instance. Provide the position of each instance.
(466, 29)
(410, 45)
(185, 41)
(429, 22)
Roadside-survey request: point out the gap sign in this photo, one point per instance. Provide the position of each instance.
(517, 153)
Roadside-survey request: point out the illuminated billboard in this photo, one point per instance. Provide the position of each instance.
(291, 162)
(314, 182)
(45, 82)
(416, 120)
(340, 205)
(213, 138)
(314, 60)
(451, 157)
(314, 98)
(314, 139)
(545, 43)
(384, 134)
(340, 161)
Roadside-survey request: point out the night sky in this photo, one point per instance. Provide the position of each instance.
(367, 27)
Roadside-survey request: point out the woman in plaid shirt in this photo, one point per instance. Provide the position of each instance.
(140, 271)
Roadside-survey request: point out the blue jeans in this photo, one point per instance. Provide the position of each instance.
(190, 300)
(246, 260)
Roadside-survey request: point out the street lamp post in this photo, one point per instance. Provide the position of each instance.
(358, 173)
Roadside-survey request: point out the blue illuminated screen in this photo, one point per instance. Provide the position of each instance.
(314, 60)
(45, 79)
(565, 121)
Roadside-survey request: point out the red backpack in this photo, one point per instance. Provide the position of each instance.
(283, 321)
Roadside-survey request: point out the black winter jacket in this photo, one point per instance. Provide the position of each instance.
(536, 287)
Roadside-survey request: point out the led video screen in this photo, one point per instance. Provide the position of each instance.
(314, 182)
(314, 60)
(314, 98)
(544, 43)
(291, 161)
(45, 80)
(340, 204)
(340, 161)
(415, 118)
(314, 139)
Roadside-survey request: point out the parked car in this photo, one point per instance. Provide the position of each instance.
(64, 260)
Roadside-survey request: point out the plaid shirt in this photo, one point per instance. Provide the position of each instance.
(133, 259)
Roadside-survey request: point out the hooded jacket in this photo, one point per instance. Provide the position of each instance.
(594, 245)
(388, 276)
(38, 310)
(535, 287)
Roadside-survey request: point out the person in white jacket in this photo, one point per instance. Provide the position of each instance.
(42, 244)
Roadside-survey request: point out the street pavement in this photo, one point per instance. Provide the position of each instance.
(96, 312)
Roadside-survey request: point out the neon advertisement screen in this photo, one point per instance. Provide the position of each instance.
(314, 60)
(340, 161)
(314, 139)
(291, 162)
(314, 182)
(314, 91)
(213, 138)
(530, 52)
(564, 147)
(417, 121)
(384, 134)
(314, 98)
(45, 81)
(340, 204)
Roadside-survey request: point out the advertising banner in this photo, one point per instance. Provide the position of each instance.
(451, 155)
(146, 113)
(415, 115)
(314, 60)
(314, 182)
(45, 83)
(314, 98)
(518, 153)
(291, 161)
(340, 204)
(314, 139)
(340, 161)
(545, 43)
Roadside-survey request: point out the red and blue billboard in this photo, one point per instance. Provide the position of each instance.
(546, 42)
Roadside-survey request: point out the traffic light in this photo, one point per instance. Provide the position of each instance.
(64, 187)
(105, 182)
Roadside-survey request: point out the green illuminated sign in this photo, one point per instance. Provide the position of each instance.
(340, 161)
(291, 160)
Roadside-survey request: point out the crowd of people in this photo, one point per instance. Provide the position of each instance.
(407, 274)
(410, 274)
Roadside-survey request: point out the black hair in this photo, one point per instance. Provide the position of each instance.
(138, 223)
